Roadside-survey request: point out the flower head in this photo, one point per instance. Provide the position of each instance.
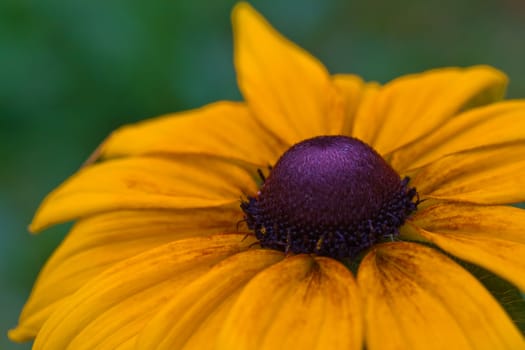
(234, 226)
(330, 195)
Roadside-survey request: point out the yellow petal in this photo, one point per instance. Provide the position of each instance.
(98, 242)
(189, 309)
(289, 91)
(491, 237)
(212, 325)
(413, 105)
(145, 182)
(417, 298)
(504, 258)
(501, 222)
(355, 92)
(299, 303)
(114, 306)
(488, 236)
(498, 123)
(485, 175)
(224, 129)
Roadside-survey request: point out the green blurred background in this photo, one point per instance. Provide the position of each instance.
(72, 71)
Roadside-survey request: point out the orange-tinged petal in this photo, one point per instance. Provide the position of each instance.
(355, 91)
(290, 92)
(417, 298)
(299, 303)
(489, 236)
(145, 182)
(484, 175)
(501, 222)
(223, 129)
(98, 242)
(127, 345)
(413, 105)
(212, 326)
(503, 257)
(498, 123)
(189, 309)
(114, 306)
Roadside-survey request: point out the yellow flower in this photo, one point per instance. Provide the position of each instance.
(163, 257)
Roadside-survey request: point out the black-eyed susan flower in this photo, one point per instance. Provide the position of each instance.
(321, 213)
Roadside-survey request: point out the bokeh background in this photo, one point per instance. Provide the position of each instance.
(72, 71)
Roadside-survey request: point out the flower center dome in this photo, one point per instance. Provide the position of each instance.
(329, 195)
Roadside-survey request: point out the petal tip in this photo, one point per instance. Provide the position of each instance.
(36, 224)
(34, 229)
(96, 154)
(243, 9)
(496, 80)
(245, 18)
(19, 335)
(495, 72)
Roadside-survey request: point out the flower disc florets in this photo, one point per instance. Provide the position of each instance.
(329, 195)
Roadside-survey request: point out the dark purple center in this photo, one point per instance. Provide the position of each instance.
(329, 195)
